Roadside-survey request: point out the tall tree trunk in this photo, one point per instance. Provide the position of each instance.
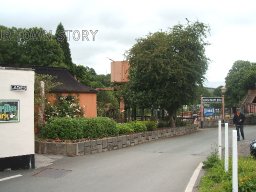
(143, 115)
(134, 113)
(171, 115)
(162, 114)
(152, 115)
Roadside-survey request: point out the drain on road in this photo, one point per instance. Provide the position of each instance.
(52, 173)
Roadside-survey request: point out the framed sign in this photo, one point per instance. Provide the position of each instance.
(209, 112)
(9, 110)
(212, 99)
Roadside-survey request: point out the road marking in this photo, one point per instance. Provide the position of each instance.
(11, 177)
(194, 177)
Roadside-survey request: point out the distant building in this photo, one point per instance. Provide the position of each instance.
(119, 71)
(249, 102)
(86, 96)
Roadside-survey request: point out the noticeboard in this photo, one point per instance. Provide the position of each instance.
(9, 111)
(212, 99)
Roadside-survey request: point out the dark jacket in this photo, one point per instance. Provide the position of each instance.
(239, 120)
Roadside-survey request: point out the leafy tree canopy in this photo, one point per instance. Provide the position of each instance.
(241, 77)
(61, 38)
(29, 47)
(167, 67)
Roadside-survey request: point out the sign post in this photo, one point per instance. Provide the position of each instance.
(202, 113)
(209, 100)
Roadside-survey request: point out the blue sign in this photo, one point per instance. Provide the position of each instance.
(208, 112)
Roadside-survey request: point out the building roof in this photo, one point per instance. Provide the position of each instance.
(68, 83)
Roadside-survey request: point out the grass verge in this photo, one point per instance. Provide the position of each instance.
(217, 180)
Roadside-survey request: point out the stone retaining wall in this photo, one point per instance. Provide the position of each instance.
(108, 144)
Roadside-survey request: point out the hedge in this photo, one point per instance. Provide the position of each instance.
(66, 128)
(62, 128)
(98, 127)
(77, 128)
(124, 128)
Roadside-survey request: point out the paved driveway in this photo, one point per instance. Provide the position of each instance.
(164, 166)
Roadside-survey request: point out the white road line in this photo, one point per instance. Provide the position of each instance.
(11, 177)
(193, 179)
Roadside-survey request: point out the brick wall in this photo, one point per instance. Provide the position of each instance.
(108, 144)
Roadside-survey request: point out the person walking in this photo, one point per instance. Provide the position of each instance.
(238, 120)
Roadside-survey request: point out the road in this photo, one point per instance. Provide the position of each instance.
(165, 165)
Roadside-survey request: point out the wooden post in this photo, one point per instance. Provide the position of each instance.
(42, 104)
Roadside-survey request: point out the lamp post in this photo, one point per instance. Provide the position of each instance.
(202, 112)
(223, 90)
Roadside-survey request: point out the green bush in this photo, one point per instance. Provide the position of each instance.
(138, 126)
(150, 125)
(124, 128)
(211, 161)
(217, 180)
(247, 174)
(99, 127)
(77, 128)
(62, 128)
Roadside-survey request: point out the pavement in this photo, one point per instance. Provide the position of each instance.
(243, 148)
(44, 160)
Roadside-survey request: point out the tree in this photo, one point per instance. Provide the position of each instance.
(61, 38)
(167, 67)
(41, 50)
(217, 92)
(85, 75)
(50, 82)
(10, 51)
(104, 80)
(241, 77)
(29, 47)
(40, 99)
(107, 104)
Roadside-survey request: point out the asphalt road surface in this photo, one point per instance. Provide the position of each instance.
(165, 165)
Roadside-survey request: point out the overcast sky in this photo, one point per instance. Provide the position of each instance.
(116, 24)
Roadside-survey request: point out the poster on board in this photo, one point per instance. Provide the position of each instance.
(9, 111)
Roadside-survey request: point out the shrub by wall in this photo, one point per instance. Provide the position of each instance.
(98, 127)
(62, 128)
(65, 128)
(151, 125)
(124, 128)
(138, 126)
